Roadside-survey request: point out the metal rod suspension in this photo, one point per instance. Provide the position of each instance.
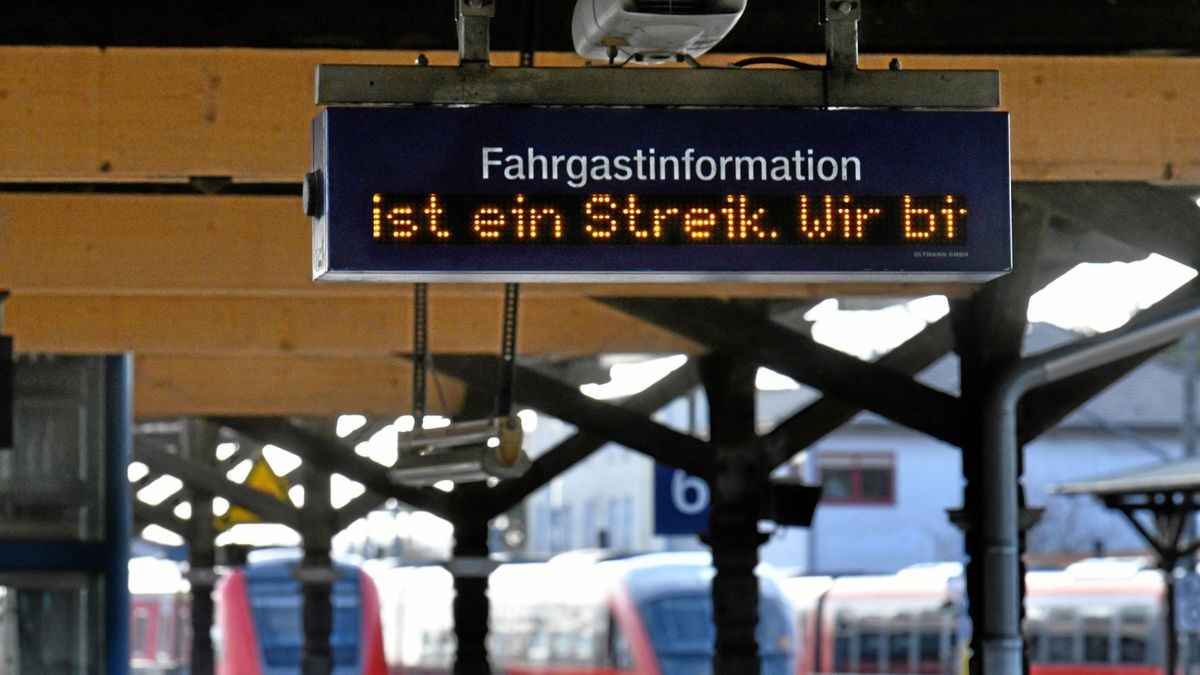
(508, 353)
(420, 350)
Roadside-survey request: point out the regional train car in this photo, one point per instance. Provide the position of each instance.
(159, 618)
(259, 610)
(579, 614)
(1093, 618)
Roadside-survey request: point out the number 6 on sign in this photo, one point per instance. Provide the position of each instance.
(681, 501)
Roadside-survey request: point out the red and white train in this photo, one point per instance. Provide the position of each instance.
(258, 625)
(1094, 618)
(579, 614)
(159, 618)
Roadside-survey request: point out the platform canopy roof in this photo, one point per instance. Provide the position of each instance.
(151, 166)
(1177, 475)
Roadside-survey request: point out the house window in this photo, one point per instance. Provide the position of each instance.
(858, 478)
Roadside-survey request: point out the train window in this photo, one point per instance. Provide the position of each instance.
(1034, 629)
(163, 644)
(585, 647)
(1133, 645)
(1060, 643)
(870, 650)
(1097, 630)
(620, 652)
(928, 649)
(141, 627)
(681, 624)
(182, 629)
(539, 644)
(898, 646)
(1191, 651)
(842, 646)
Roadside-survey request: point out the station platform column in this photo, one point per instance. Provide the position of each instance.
(65, 517)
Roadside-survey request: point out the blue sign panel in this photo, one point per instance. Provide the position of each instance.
(510, 194)
(681, 501)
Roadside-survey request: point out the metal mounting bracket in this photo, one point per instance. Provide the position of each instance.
(840, 18)
(474, 29)
(840, 84)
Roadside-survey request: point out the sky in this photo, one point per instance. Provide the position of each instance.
(1091, 298)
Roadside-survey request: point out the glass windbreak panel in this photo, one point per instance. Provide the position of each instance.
(51, 482)
(50, 624)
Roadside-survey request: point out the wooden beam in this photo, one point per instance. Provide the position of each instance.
(154, 114)
(239, 245)
(181, 385)
(341, 325)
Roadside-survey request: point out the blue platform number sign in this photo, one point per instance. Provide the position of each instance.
(681, 501)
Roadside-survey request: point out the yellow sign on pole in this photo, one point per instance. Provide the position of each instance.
(260, 478)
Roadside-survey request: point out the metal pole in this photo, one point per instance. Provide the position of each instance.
(200, 442)
(7, 385)
(733, 522)
(1190, 344)
(1001, 630)
(470, 568)
(1171, 657)
(317, 575)
(118, 432)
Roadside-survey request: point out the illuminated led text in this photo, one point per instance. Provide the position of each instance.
(645, 219)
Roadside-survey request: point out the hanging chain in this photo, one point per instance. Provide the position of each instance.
(508, 354)
(420, 351)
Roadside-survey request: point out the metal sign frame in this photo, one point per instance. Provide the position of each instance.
(796, 175)
(474, 83)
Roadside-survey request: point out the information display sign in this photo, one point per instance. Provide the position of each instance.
(599, 194)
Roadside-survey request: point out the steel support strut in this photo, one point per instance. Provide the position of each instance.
(317, 574)
(733, 535)
(471, 606)
(200, 442)
(1001, 628)
(6, 384)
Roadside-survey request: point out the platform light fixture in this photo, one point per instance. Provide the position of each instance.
(651, 31)
(461, 452)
